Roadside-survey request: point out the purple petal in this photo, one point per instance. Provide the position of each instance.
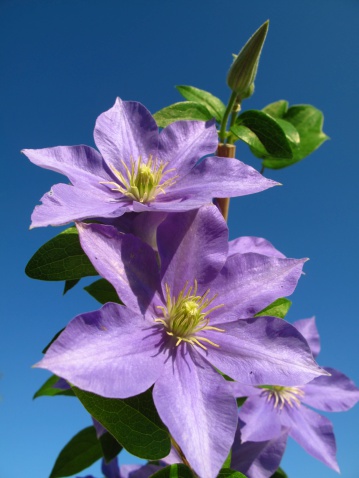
(200, 413)
(112, 352)
(192, 246)
(66, 203)
(138, 471)
(259, 420)
(336, 393)
(125, 131)
(100, 429)
(166, 204)
(183, 143)
(83, 165)
(222, 177)
(125, 261)
(258, 245)
(249, 282)
(258, 459)
(310, 332)
(265, 350)
(314, 433)
(111, 469)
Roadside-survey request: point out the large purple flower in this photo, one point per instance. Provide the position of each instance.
(279, 408)
(140, 169)
(180, 324)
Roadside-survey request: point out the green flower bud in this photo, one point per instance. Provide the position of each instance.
(243, 71)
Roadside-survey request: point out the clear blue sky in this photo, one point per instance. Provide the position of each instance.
(64, 62)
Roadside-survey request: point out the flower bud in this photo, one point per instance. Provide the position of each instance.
(243, 71)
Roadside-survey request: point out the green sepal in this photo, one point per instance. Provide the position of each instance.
(134, 422)
(228, 473)
(80, 453)
(213, 104)
(61, 258)
(279, 474)
(69, 284)
(185, 110)
(48, 389)
(174, 471)
(103, 292)
(110, 446)
(266, 137)
(279, 308)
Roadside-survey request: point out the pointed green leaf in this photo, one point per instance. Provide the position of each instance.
(213, 104)
(174, 471)
(277, 109)
(268, 131)
(61, 258)
(69, 284)
(80, 453)
(227, 462)
(48, 389)
(134, 422)
(185, 110)
(110, 447)
(228, 473)
(279, 308)
(103, 292)
(279, 474)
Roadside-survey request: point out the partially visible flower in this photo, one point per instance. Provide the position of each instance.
(113, 470)
(278, 408)
(140, 169)
(181, 321)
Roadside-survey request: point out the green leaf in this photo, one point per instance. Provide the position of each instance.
(185, 110)
(110, 447)
(308, 121)
(69, 284)
(240, 401)
(134, 422)
(269, 133)
(279, 474)
(174, 471)
(48, 389)
(61, 258)
(213, 104)
(80, 453)
(278, 308)
(228, 473)
(103, 292)
(277, 109)
(227, 461)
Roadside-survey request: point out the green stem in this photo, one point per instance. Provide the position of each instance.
(229, 109)
(262, 170)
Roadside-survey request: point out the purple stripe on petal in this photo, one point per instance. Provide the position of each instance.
(310, 332)
(125, 131)
(261, 351)
(112, 352)
(200, 413)
(336, 393)
(245, 244)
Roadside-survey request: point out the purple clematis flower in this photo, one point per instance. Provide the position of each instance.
(181, 325)
(113, 470)
(279, 408)
(140, 169)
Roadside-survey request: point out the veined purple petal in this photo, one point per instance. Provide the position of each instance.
(259, 420)
(125, 261)
(166, 204)
(192, 246)
(200, 413)
(249, 282)
(265, 350)
(112, 352)
(334, 393)
(314, 433)
(125, 131)
(310, 332)
(66, 203)
(183, 143)
(83, 165)
(245, 244)
(258, 459)
(138, 471)
(222, 177)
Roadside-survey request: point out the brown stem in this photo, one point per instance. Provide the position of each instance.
(181, 454)
(225, 151)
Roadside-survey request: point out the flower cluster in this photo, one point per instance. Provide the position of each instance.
(189, 327)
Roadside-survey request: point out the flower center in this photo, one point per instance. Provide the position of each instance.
(187, 315)
(142, 181)
(282, 396)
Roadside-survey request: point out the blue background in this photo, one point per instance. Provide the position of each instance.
(64, 62)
